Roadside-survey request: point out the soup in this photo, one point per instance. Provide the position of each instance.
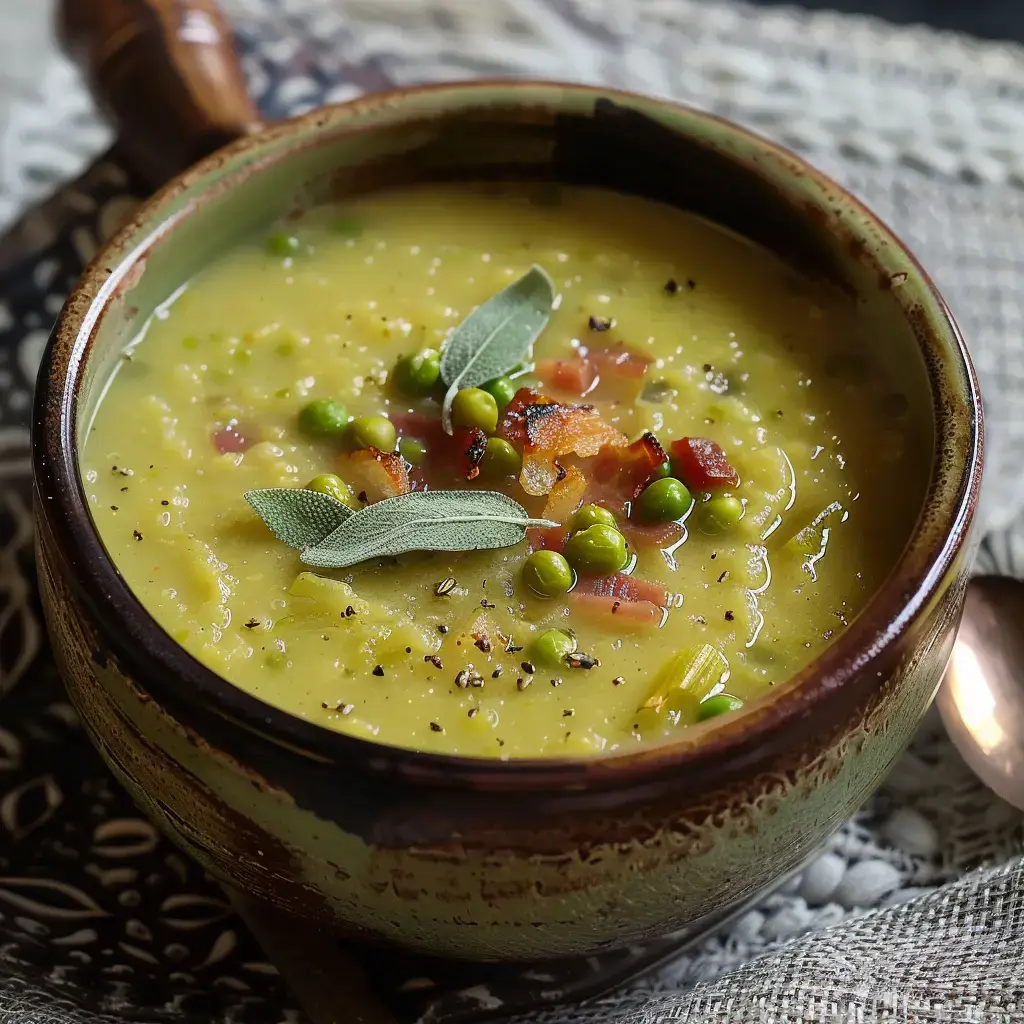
(716, 474)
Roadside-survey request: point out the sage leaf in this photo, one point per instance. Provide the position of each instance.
(496, 336)
(424, 521)
(296, 516)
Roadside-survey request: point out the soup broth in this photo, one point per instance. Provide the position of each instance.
(741, 478)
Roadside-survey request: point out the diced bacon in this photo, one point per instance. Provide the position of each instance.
(651, 535)
(513, 421)
(619, 360)
(623, 588)
(547, 429)
(619, 474)
(460, 453)
(575, 376)
(565, 497)
(701, 464)
(234, 438)
(587, 368)
(427, 429)
(374, 475)
(615, 614)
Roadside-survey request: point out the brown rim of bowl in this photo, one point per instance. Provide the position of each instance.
(140, 642)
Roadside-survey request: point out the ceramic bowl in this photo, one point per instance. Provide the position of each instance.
(474, 858)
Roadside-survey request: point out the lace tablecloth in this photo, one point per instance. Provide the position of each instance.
(928, 128)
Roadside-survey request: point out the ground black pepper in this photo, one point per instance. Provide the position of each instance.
(113, 508)
(434, 727)
(378, 670)
(349, 612)
(487, 604)
(724, 576)
(496, 672)
(671, 286)
(729, 616)
(136, 535)
(483, 644)
(442, 629)
(600, 323)
(618, 681)
(473, 712)
(522, 684)
(252, 623)
(433, 659)
(568, 713)
(529, 667)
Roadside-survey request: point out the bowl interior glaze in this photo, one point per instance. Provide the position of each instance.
(545, 132)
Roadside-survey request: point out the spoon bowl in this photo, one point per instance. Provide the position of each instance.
(982, 695)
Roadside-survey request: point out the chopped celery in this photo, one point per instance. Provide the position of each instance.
(684, 681)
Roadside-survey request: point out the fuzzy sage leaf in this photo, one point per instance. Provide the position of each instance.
(418, 521)
(496, 336)
(424, 521)
(300, 518)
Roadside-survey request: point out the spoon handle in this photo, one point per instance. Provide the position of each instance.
(166, 74)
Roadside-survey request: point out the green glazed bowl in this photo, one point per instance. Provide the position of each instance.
(473, 858)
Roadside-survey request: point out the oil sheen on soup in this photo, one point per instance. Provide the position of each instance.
(732, 477)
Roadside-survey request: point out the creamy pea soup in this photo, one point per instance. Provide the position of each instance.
(731, 476)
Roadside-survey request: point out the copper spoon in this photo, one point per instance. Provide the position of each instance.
(982, 695)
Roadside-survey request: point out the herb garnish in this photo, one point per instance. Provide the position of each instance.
(417, 521)
(496, 336)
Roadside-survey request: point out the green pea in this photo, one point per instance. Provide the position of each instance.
(547, 574)
(373, 432)
(596, 551)
(720, 704)
(282, 244)
(723, 512)
(412, 450)
(416, 374)
(591, 515)
(551, 647)
(664, 500)
(501, 389)
(323, 416)
(328, 483)
(664, 470)
(474, 407)
(500, 459)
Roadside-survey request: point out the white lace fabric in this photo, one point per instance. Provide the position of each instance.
(929, 129)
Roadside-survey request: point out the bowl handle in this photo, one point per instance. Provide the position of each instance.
(166, 74)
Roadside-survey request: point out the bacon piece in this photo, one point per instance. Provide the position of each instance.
(565, 497)
(701, 464)
(234, 438)
(651, 535)
(623, 588)
(547, 429)
(619, 360)
(575, 376)
(618, 615)
(374, 475)
(461, 453)
(619, 474)
(587, 368)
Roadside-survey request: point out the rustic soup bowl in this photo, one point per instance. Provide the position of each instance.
(475, 858)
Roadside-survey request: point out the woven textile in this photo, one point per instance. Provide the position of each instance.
(927, 129)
